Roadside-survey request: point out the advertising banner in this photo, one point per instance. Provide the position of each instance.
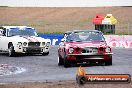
(118, 41)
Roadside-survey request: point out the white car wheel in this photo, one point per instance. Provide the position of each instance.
(11, 51)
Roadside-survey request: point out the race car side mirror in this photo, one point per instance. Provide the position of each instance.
(63, 40)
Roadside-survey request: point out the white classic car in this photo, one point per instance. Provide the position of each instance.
(22, 39)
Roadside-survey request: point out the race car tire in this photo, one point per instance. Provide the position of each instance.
(66, 62)
(108, 62)
(60, 61)
(11, 51)
(44, 54)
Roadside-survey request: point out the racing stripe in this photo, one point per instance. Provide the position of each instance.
(34, 39)
(31, 39)
(27, 39)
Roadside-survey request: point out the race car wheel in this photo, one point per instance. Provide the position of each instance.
(60, 61)
(11, 51)
(66, 62)
(47, 53)
(108, 62)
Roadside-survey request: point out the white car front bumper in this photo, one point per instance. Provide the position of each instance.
(32, 49)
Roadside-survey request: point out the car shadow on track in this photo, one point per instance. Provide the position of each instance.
(20, 55)
(87, 65)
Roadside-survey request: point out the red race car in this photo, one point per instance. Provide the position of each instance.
(84, 46)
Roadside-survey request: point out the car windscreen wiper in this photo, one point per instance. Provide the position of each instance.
(78, 41)
(102, 41)
(98, 40)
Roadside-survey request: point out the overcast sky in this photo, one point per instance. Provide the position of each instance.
(64, 3)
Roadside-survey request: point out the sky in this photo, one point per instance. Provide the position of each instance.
(64, 3)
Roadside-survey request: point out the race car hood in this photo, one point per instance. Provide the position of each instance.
(86, 44)
(28, 39)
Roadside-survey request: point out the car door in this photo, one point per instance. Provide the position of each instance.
(61, 46)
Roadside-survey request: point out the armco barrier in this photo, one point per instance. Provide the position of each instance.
(55, 38)
(120, 41)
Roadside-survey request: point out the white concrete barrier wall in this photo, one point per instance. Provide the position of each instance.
(119, 41)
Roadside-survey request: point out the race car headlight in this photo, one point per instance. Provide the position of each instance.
(71, 50)
(25, 44)
(48, 44)
(19, 44)
(43, 43)
(108, 50)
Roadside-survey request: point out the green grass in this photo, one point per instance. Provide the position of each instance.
(12, 24)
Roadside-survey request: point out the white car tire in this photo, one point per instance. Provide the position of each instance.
(11, 51)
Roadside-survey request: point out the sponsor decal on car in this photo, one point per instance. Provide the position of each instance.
(31, 39)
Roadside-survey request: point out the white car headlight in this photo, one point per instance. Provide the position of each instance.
(19, 45)
(48, 44)
(108, 50)
(25, 44)
(71, 50)
(43, 43)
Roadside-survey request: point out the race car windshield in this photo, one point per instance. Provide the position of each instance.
(22, 32)
(85, 36)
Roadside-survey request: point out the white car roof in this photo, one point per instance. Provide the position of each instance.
(8, 27)
(82, 30)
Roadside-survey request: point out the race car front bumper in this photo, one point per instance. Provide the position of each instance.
(32, 50)
(86, 57)
(89, 54)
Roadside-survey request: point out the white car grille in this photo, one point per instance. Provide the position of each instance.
(34, 44)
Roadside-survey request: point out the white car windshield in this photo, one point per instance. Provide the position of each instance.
(85, 36)
(22, 32)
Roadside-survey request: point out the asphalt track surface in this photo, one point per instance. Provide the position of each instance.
(44, 68)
